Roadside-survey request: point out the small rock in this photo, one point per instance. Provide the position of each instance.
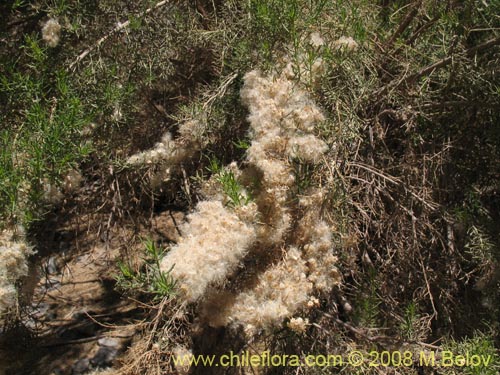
(81, 366)
(109, 342)
(40, 310)
(51, 266)
(104, 356)
(51, 283)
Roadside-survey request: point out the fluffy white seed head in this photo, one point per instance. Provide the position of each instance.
(282, 118)
(211, 246)
(318, 250)
(307, 148)
(13, 265)
(316, 40)
(346, 43)
(298, 325)
(280, 291)
(51, 32)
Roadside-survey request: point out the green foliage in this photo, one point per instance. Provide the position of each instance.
(367, 303)
(242, 144)
(18, 4)
(214, 166)
(40, 136)
(408, 326)
(303, 174)
(479, 245)
(481, 344)
(233, 188)
(279, 22)
(236, 193)
(150, 279)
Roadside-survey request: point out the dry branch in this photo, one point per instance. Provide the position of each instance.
(412, 78)
(404, 24)
(119, 27)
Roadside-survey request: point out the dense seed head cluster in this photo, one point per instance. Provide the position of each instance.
(213, 242)
(51, 32)
(279, 292)
(219, 235)
(13, 265)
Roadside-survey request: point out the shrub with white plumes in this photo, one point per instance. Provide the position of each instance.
(216, 238)
(212, 244)
(282, 118)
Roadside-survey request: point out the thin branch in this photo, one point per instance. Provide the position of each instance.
(119, 27)
(404, 24)
(395, 181)
(421, 29)
(447, 60)
(431, 298)
(221, 90)
(437, 65)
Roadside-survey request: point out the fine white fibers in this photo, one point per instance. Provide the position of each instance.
(13, 265)
(282, 118)
(168, 154)
(280, 113)
(211, 246)
(316, 40)
(307, 148)
(166, 149)
(346, 43)
(322, 270)
(298, 325)
(280, 291)
(51, 32)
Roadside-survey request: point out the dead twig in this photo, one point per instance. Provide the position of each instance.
(120, 26)
(412, 78)
(395, 181)
(221, 90)
(404, 24)
(83, 340)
